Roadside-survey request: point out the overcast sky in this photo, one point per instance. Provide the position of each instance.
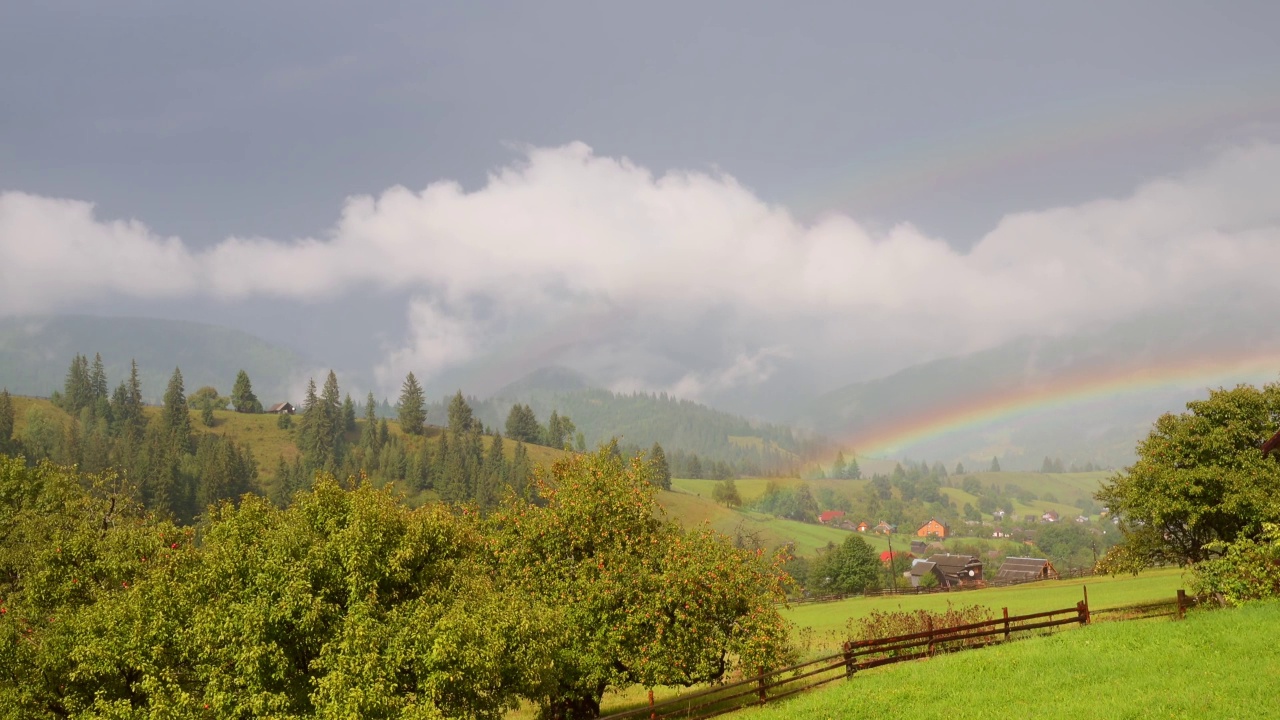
(700, 197)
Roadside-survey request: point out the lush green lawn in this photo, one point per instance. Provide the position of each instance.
(826, 622)
(691, 510)
(1215, 664)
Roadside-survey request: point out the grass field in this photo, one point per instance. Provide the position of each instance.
(1220, 664)
(826, 622)
(691, 510)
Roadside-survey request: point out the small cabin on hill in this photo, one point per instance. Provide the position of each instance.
(1026, 568)
(885, 528)
(956, 570)
(283, 408)
(918, 547)
(933, 528)
(864, 526)
(1049, 516)
(830, 516)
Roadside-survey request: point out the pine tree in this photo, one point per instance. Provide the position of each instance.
(369, 438)
(959, 469)
(412, 407)
(242, 398)
(98, 389)
(326, 440)
(837, 467)
(661, 470)
(175, 418)
(494, 475)
(77, 390)
(348, 415)
(6, 420)
(852, 471)
(383, 433)
(460, 416)
(522, 424)
(995, 464)
(518, 473)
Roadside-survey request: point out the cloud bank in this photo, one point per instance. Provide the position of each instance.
(711, 286)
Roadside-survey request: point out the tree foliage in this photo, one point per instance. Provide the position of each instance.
(851, 566)
(1199, 481)
(412, 406)
(637, 600)
(243, 400)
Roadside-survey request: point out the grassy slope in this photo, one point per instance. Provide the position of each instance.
(827, 621)
(771, 531)
(1214, 664)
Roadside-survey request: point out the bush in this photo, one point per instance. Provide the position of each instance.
(284, 421)
(1248, 570)
(881, 624)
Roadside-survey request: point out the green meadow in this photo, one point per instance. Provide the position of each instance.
(1219, 664)
(824, 625)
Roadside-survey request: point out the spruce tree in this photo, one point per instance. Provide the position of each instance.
(369, 438)
(348, 415)
(311, 423)
(412, 407)
(6, 419)
(175, 418)
(852, 471)
(522, 424)
(242, 398)
(460, 416)
(837, 467)
(995, 464)
(661, 470)
(98, 379)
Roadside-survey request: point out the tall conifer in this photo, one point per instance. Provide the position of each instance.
(412, 407)
(176, 416)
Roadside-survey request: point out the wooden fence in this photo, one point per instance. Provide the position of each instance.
(856, 655)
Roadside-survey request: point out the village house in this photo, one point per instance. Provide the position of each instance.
(1025, 568)
(1049, 516)
(918, 547)
(1082, 519)
(830, 516)
(951, 570)
(933, 528)
(1000, 534)
(956, 570)
(863, 526)
(283, 408)
(885, 528)
(997, 515)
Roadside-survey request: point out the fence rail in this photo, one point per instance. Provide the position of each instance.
(856, 655)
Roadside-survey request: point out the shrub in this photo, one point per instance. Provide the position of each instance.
(886, 624)
(1248, 570)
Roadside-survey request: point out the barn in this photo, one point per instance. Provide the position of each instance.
(1017, 569)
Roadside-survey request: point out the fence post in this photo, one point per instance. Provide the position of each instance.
(848, 659)
(930, 620)
(764, 692)
(1088, 618)
(1006, 624)
(1182, 604)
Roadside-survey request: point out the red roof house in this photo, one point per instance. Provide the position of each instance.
(830, 516)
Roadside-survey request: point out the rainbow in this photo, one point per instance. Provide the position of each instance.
(1058, 392)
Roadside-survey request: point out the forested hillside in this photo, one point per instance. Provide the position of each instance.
(639, 420)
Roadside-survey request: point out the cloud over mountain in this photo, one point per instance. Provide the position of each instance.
(706, 286)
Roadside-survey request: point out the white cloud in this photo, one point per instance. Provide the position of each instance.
(700, 265)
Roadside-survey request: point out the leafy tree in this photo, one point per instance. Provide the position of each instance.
(522, 424)
(995, 464)
(207, 397)
(175, 417)
(284, 421)
(460, 416)
(243, 400)
(337, 606)
(1199, 481)
(638, 601)
(661, 471)
(206, 416)
(412, 407)
(851, 566)
(1248, 569)
(725, 492)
